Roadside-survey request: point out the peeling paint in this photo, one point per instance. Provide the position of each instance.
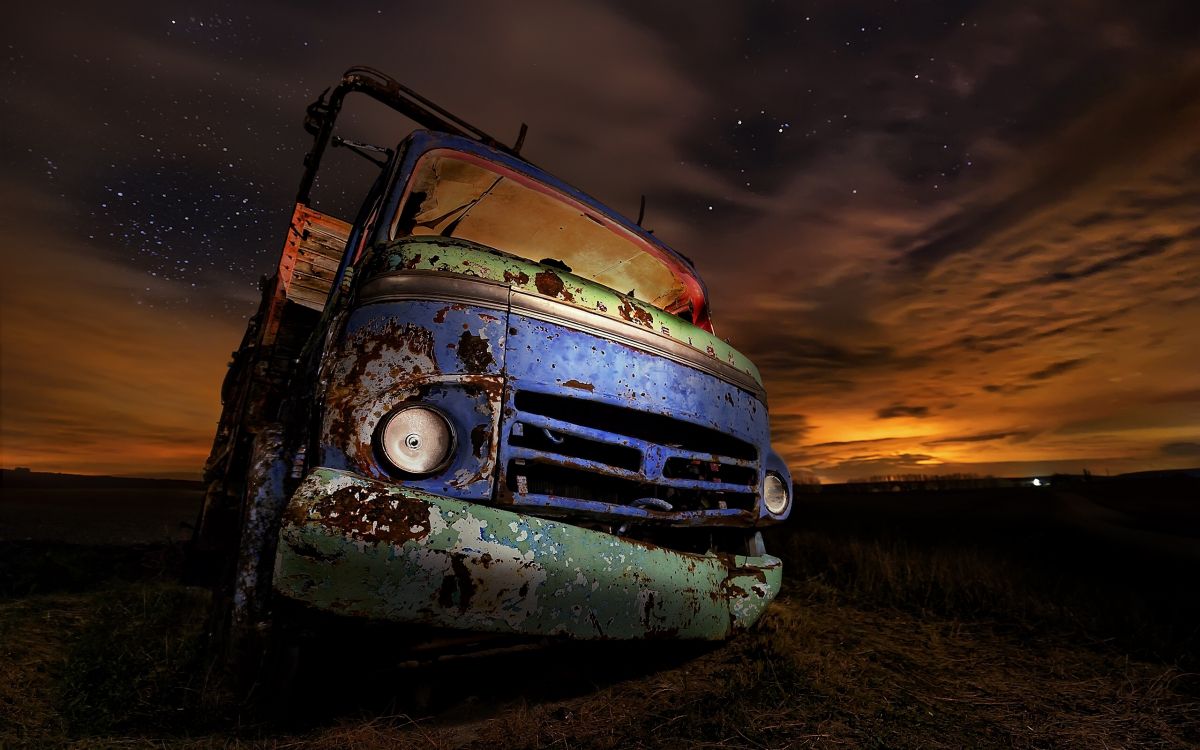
(484, 568)
(454, 256)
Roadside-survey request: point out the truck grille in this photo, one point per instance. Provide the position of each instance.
(581, 453)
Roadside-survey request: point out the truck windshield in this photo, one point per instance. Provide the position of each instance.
(458, 195)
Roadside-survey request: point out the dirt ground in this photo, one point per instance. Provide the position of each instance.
(817, 672)
(874, 644)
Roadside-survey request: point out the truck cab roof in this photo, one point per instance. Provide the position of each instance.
(448, 185)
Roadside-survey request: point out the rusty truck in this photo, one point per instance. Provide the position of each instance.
(487, 403)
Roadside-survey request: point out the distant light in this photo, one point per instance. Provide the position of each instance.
(1037, 482)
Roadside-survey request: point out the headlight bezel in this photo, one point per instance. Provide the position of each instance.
(401, 465)
(769, 480)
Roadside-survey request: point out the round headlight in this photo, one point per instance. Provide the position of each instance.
(417, 440)
(775, 494)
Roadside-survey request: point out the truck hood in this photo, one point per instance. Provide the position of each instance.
(657, 329)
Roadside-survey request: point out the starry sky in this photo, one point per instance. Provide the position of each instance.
(955, 236)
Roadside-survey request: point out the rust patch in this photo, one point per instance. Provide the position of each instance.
(733, 590)
(378, 341)
(488, 385)
(295, 514)
(520, 277)
(474, 352)
(549, 283)
(440, 315)
(370, 517)
(580, 385)
(479, 436)
(419, 341)
(635, 314)
(757, 573)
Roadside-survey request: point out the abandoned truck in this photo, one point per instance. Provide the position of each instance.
(489, 404)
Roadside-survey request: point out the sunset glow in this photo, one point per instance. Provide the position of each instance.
(951, 242)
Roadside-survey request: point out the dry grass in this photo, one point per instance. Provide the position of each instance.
(876, 643)
(1088, 593)
(816, 672)
(32, 643)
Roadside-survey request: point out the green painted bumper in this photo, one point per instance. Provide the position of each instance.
(370, 549)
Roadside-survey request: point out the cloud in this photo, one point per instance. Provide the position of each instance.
(1144, 249)
(1007, 389)
(789, 428)
(1185, 449)
(1055, 369)
(846, 443)
(953, 214)
(901, 410)
(859, 467)
(986, 437)
(1152, 116)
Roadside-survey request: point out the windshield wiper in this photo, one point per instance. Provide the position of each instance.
(466, 209)
(365, 150)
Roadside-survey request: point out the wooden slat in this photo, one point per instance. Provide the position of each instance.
(319, 271)
(319, 262)
(319, 250)
(330, 247)
(308, 298)
(313, 285)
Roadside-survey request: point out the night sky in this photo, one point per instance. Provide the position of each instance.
(955, 237)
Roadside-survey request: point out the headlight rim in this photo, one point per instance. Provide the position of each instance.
(787, 495)
(391, 464)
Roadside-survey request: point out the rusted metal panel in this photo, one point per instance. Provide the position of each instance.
(361, 547)
(451, 342)
(438, 353)
(264, 504)
(572, 397)
(534, 280)
(694, 454)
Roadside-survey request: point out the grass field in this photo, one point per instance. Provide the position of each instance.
(984, 619)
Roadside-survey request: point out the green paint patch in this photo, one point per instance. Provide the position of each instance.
(468, 259)
(476, 567)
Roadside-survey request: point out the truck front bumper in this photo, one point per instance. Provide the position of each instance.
(361, 547)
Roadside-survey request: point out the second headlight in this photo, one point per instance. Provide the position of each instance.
(775, 495)
(417, 440)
